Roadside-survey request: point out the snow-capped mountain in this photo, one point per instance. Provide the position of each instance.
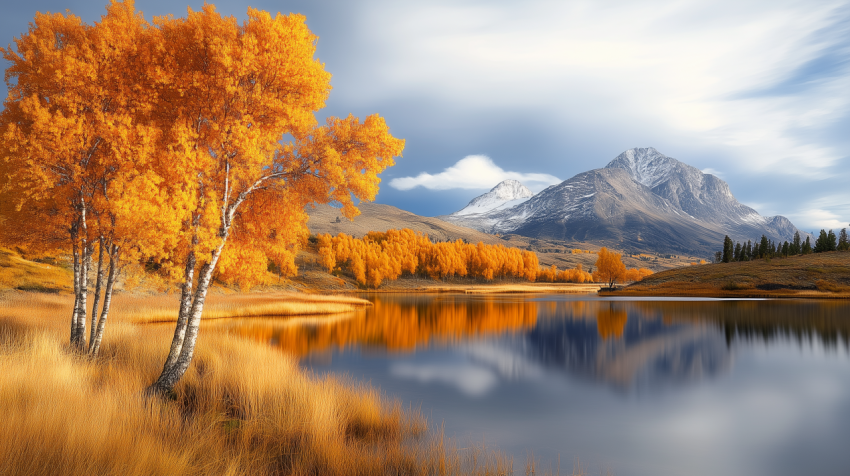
(507, 194)
(642, 200)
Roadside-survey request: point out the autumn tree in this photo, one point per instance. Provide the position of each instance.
(609, 267)
(73, 136)
(228, 94)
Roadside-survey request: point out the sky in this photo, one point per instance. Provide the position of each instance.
(755, 92)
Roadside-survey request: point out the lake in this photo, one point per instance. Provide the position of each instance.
(649, 387)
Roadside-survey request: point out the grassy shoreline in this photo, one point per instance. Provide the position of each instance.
(813, 276)
(242, 408)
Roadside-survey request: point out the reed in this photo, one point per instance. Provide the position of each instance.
(242, 408)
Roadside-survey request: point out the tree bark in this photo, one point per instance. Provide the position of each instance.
(97, 289)
(183, 315)
(171, 375)
(97, 337)
(79, 334)
(80, 341)
(75, 246)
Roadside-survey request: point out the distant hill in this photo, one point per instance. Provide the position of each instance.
(377, 217)
(817, 275)
(641, 201)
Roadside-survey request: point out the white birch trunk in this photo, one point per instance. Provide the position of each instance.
(183, 315)
(76, 312)
(97, 337)
(97, 289)
(80, 334)
(171, 375)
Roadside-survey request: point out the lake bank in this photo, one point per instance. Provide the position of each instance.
(241, 409)
(813, 276)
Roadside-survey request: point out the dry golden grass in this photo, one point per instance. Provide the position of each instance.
(19, 273)
(163, 308)
(821, 275)
(242, 408)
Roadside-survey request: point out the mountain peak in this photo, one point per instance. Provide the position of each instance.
(509, 189)
(645, 165)
(506, 194)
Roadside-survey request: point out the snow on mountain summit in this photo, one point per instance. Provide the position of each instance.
(504, 195)
(645, 165)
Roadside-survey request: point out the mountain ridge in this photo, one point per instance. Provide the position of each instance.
(642, 200)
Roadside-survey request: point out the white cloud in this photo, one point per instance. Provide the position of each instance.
(473, 172)
(828, 212)
(820, 219)
(711, 71)
(710, 171)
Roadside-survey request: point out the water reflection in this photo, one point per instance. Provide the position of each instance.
(394, 323)
(625, 344)
(738, 387)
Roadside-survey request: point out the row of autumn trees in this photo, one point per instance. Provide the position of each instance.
(187, 144)
(380, 256)
(765, 248)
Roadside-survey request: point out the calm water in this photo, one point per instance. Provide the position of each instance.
(687, 387)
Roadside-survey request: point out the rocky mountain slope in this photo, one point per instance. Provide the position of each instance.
(642, 201)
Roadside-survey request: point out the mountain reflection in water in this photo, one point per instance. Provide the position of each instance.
(622, 343)
(644, 388)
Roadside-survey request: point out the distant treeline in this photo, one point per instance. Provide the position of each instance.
(387, 256)
(764, 248)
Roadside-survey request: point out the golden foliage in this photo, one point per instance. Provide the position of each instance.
(610, 269)
(552, 275)
(379, 256)
(158, 133)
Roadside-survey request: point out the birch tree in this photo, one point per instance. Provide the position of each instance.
(228, 95)
(72, 137)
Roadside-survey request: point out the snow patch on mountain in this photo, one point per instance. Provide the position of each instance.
(646, 165)
(506, 194)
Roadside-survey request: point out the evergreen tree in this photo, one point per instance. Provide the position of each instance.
(737, 255)
(843, 242)
(830, 241)
(797, 244)
(718, 256)
(763, 244)
(785, 247)
(820, 242)
(807, 247)
(749, 253)
(727, 249)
